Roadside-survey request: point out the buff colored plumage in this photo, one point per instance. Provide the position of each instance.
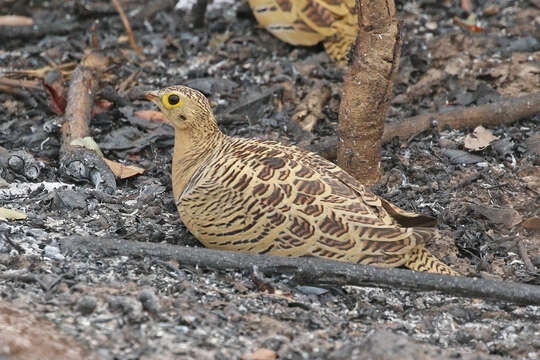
(308, 22)
(264, 197)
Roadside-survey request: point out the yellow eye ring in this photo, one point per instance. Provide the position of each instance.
(171, 100)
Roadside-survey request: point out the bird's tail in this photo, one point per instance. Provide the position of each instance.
(423, 260)
(338, 47)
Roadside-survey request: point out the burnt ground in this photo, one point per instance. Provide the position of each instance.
(55, 304)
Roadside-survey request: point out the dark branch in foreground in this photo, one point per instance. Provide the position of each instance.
(312, 270)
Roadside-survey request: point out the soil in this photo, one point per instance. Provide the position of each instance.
(55, 304)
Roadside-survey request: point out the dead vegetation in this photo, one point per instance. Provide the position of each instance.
(456, 71)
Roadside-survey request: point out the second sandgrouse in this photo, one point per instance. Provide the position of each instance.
(308, 22)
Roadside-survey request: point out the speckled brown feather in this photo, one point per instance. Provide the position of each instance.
(264, 197)
(308, 22)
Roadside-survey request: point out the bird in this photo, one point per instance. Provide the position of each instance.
(308, 22)
(260, 196)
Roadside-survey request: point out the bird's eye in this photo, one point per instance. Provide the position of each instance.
(171, 100)
(174, 99)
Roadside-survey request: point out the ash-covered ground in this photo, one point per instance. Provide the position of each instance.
(57, 304)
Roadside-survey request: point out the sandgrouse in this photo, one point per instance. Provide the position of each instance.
(308, 22)
(262, 197)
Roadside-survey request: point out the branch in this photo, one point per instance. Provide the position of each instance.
(503, 112)
(79, 163)
(127, 26)
(309, 270)
(367, 89)
(8, 33)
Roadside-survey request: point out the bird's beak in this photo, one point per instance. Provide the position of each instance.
(151, 96)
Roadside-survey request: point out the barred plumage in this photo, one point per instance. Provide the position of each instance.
(308, 22)
(264, 197)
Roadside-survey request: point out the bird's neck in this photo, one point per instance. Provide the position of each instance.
(192, 146)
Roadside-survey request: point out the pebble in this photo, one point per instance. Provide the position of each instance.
(86, 305)
(53, 252)
(431, 25)
(149, 300)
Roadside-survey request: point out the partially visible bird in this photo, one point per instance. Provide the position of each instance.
(308, 22)
(264, 197)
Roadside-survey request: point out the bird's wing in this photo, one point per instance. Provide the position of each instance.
(263, 197)
(388, 212)
(281, 18)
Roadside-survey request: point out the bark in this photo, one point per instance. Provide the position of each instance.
(368, 88)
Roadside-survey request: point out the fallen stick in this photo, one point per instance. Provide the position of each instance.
(503, 112)
(309, 270)
(127, 26)
(38, 30)
(15, 20)
(506, 111)
(525, 257)
(79, 163)
(17, 83)
(20, 93)
(198, 12)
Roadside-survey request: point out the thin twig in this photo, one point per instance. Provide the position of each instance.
(525, 257)
(309, 270)
(23, 276)
(18, 83)
(14, 245)
(127, 26)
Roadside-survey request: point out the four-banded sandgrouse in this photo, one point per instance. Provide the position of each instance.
(308, 22)
(264, 197)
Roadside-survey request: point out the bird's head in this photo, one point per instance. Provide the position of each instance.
(184, 107)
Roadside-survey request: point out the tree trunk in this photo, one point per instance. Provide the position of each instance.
(368, 88)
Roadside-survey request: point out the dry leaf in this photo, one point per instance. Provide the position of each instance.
(122, 171)
(261, 354)
(533, 144)
(479, 139)
(532, 224)
(54, 87)
(310, 109)
(506, 216)
(219, 39)
(15, 20)
(469, 23)
(467, 5)
(101, 106)
(530, 176)
(151, 115)
(9, 214)
(491, 10)
(88, 143)
(122, 39)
